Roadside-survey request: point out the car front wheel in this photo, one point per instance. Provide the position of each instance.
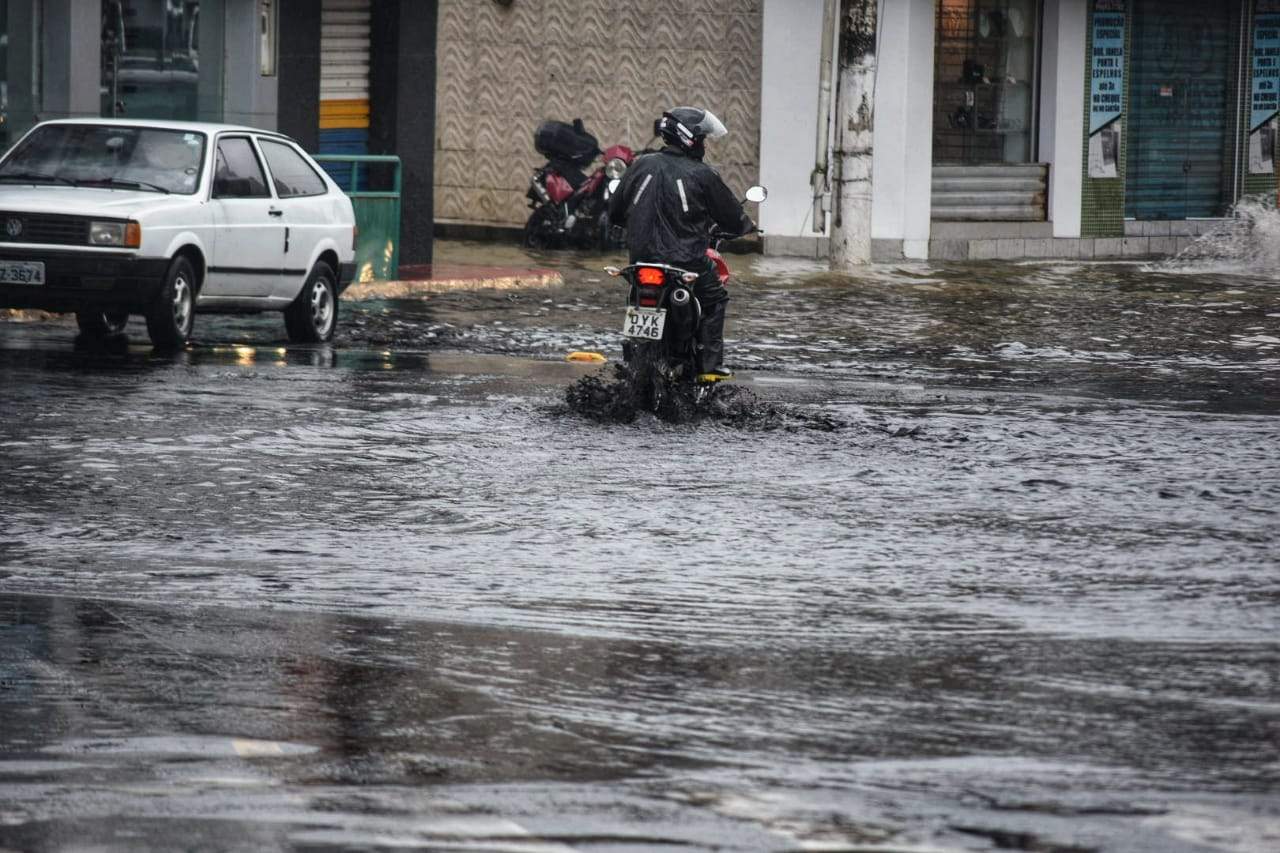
(312, 317)
(170, 317)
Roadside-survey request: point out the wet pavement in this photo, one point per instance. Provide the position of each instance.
(1019, 591)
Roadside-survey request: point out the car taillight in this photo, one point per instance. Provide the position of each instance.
(651, 276)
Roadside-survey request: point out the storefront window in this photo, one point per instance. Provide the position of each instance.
(985, 70)
(151, 60)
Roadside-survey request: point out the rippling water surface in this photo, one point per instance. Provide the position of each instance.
(1032, 570)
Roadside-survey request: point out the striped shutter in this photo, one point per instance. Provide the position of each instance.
(344, 76)
(1182, 108)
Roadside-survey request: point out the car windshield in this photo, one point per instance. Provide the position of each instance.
(143, 158)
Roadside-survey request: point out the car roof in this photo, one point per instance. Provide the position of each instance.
(199, 126)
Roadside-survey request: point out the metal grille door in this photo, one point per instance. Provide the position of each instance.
(1181, 108)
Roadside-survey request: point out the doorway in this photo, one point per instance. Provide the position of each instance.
(1182, 109)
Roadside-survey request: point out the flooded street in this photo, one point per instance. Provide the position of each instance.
(1001, 575)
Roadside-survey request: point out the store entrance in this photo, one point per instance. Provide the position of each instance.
(1182, 112)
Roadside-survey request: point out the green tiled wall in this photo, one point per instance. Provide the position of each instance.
(1102, 199)
(1252, 184)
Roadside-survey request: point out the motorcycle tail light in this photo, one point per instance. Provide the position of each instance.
(651, 276)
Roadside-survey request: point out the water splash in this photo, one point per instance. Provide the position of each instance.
(618, 399)
(1246, 241)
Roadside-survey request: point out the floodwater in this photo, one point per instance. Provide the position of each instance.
(1000, 574)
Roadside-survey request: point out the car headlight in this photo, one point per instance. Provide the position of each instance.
(615, 168)
(124, 234)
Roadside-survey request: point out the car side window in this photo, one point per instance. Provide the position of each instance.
(237, 172)
(292, 175)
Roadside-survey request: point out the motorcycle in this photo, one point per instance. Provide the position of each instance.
(660, 328)
(568, 208)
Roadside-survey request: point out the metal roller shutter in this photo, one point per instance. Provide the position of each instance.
(344, 76)
(1182, 110)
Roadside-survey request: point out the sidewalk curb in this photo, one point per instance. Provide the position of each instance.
(419, 288)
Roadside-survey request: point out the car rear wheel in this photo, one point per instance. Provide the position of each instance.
(313, 316)
(102, 324)
(171, 316)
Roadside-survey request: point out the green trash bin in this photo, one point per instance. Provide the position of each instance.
(372, 182)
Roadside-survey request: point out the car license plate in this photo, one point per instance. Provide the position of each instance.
(644, 323)
(21, 272)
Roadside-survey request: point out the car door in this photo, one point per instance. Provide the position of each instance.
(248, 249)
(308, 215)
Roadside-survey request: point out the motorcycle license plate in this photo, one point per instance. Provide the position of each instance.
(644, 323)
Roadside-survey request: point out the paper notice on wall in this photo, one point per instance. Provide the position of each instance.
(1262, 149)
(1104, 151)
(1106, 73)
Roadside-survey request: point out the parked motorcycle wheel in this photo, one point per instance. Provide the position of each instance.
(539, 230)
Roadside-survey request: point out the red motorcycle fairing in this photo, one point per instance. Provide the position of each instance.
(722, 269)
(592, 184)
(558, 188)
(620, 152)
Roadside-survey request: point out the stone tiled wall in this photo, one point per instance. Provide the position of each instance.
(616, 65)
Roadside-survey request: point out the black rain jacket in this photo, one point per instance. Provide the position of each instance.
(669, 204)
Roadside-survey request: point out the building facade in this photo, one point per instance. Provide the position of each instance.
(1031, 128)
(308, 68)
(508, 65)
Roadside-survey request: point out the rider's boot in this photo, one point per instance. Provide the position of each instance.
(711, 343)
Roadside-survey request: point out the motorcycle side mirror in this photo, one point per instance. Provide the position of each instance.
(613, 185)
(757, 194)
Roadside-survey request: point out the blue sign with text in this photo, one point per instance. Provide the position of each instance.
(1106, 89)
(1266, 70)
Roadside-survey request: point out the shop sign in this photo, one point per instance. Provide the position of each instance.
(1106, 87)
(1266, 86)
(1106, 92)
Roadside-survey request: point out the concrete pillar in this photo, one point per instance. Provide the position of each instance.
(248, 96)
(1062, 110)
(299, 85)
(70, 61)
(402, 100)
(855, 114)
(902, 171)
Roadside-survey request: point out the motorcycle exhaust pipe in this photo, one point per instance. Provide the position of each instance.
(680, 304)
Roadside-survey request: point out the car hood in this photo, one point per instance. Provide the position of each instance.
(84, 201)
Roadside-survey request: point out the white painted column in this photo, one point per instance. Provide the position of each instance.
(791, 45)
(1062, 110)
(902, 171)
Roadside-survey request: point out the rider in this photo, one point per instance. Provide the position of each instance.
(670, 201)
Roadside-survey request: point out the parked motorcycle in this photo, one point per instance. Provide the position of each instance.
(570, 209)
(660, 327)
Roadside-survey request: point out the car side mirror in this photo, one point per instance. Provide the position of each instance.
(757, 194)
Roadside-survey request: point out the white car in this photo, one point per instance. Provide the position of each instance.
(112, 217)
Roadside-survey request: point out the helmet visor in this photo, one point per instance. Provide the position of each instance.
(710, 126)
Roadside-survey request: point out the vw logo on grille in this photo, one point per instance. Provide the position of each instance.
(13, 226)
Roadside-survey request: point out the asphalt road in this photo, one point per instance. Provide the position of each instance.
(988, 575)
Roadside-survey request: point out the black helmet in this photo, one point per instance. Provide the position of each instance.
(687, 127)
